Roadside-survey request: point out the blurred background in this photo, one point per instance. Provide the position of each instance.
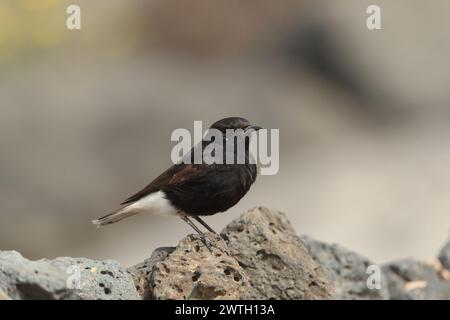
(86, 117)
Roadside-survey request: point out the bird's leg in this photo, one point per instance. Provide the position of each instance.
(203, 223)
(202, 235)
(215, 233)
(189, 222)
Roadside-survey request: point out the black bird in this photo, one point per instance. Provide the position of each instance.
(192, 190)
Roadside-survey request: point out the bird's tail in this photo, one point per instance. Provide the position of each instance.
(115, 216)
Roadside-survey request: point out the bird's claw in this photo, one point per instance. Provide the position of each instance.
(210, 244)
(206, 241)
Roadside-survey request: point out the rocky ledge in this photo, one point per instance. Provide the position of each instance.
(258, 256)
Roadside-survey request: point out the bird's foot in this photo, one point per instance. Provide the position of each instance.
(213, 240)
(207, 242)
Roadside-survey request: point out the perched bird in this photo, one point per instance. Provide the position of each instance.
(189, 189)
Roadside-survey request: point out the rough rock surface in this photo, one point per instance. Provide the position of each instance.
(4, 296)
(275, 259)
(21, 278)
(410, 279)
(143, 271)
(258, 257)
(195, 271)
(24, 279)
(347, 269)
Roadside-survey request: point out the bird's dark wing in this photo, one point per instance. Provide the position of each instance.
(174, 175)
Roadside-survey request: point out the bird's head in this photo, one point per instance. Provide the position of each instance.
(234, 134)
(229, 136)
(233, 123)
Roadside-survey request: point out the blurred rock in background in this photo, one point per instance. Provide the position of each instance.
(363, 117)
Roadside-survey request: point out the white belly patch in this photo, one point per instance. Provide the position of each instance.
(155, 203)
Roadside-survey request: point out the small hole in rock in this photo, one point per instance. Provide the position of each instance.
(196, 276)
(165, 268)
(261, 252)
(107, 290)
(109, 273)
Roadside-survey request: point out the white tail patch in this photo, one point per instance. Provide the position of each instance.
(155, 203)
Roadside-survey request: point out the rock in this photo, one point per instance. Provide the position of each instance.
(274, 257)
(258, 256)
(21, 278)
(348, 270)
(410, 279)
(142, 272)
(444, 256)
(192, 271)
(4, 296)
(100, 280)
(24, 279)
